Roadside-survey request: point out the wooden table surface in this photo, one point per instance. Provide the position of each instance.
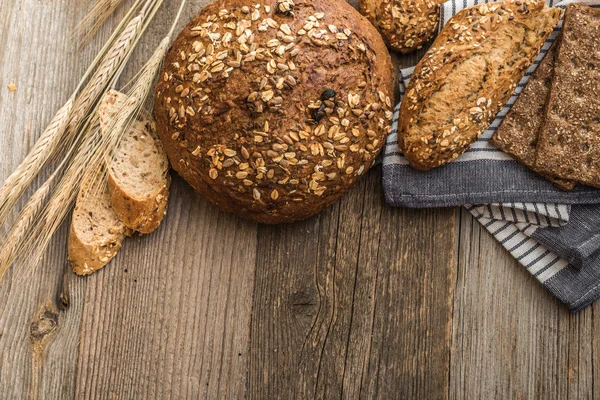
(360, 301)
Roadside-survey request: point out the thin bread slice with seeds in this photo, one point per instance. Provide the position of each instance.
(138, 177)
(518, 133)
(569, 143)
(96, 231)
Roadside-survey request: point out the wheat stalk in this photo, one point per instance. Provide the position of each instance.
(79, 135)
(95, 18)
(71, 116)
(42, 150)
(27, 217)
(30, 240)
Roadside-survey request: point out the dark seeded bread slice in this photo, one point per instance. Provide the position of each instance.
(569, 143)
(519, 131)
(138, 178)
(96, 231)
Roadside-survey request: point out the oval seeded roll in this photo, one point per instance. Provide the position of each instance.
(406, 25)
(467, 76)
(273, 111)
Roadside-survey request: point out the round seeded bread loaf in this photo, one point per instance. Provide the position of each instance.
(274, 110)
(406, 25)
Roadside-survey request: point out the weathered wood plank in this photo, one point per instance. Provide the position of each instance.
(349, 302)
(39, 326)
(170, 317)
(510, 338)
(362, 301)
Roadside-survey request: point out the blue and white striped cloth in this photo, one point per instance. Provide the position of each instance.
(552, 233)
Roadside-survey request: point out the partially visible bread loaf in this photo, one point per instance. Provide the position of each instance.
(272, 110)
(96, 232)
(467, 76)
(406, 25)
(138, 178)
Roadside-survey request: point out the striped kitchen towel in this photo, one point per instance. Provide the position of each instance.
(554, 234)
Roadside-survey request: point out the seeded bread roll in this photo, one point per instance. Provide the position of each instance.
(467, 76)
(406, 25)
(273, 111)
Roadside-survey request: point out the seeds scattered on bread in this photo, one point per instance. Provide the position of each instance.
(406, 25)
(283, 97)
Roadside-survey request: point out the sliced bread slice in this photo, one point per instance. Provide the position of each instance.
(138, 177)
(96, 230)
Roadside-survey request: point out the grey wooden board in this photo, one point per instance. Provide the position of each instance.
(360, 301)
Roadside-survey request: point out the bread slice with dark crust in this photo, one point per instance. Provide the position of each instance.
(467, 76)
(96, 231)
(569, 144)
(518, 133)
(138, 177)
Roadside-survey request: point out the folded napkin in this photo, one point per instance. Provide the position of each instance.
(552, 233)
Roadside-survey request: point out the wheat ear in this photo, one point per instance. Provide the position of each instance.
(42, 151)
(95, 18)
(26, 219)
(68, 120)
(113, 63)
(110, 65)
(81, 129)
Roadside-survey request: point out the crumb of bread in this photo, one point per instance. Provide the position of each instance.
(12, 87)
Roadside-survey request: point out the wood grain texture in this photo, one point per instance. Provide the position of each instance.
(360, 301)
(510, 338)
(172, 320)
(352, 301)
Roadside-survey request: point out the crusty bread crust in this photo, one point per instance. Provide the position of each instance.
(467, 76)
(141, 215)
(406, 25)
(273, 113)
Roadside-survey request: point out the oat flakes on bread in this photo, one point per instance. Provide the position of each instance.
(569, 144)
(467, 76)
(518, 133)
(138, 177)
(406, 25)
(274, 111)
(96, 231)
